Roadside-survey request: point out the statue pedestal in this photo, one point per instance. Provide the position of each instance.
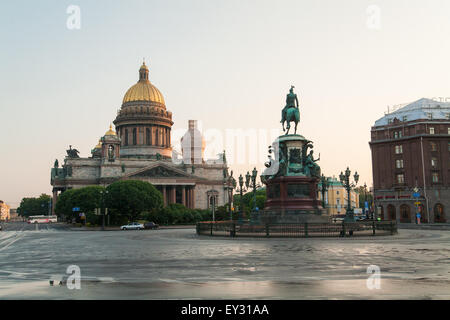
(291, 184)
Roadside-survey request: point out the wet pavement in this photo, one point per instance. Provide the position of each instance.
(178, 264)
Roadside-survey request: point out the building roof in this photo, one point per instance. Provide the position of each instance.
(424, 108)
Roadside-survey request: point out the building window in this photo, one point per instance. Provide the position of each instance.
(448, 130)
(134, 137)
(448, 115)
(400, 178)
(399, 149)
(399, 164)
(435, 177)
(434, 162)
(405, 118)
(431, 130)
(389, 121)
(430, 116)
(433, 146)
(126, 137)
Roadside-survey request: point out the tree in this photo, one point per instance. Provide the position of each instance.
(87, 199)
(35, 206)
(248, 202)
(130, 198)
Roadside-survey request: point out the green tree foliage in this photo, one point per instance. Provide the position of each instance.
(87, 199)
(176, 214)
(130, 198)
(248, 202)
(35, 206)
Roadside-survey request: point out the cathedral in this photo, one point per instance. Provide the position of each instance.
(140, 149)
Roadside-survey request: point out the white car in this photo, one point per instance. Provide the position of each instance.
(133, 226)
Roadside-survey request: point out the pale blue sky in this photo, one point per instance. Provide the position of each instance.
(226, 63)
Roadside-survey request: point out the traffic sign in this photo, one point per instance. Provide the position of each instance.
(417, 203)
(416, 195)
(76, 209)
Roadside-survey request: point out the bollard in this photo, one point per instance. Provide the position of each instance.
(51, 282)
(373, 227)
(267, 230)
(306, 229)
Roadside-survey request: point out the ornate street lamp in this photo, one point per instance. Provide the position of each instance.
(345, 180)
(231, 184)
(241, 190)
(254, 186)
(325, 183)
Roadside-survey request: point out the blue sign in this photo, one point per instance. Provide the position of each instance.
(76, 209)
(257, 209)
(416, 195)
(366, 205)
(418, 215)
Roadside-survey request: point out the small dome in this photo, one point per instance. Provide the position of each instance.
(110, 132)
(99, 145)
(143, 90)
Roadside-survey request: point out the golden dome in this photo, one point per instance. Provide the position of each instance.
(110, 132)
(143, 90)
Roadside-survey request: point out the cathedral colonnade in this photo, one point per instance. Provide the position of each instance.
(182, 194)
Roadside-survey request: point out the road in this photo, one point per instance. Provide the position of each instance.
(178, 264)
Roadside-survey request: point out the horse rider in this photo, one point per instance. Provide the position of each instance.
(291, 102)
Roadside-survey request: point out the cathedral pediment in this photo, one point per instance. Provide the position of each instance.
(160, 171)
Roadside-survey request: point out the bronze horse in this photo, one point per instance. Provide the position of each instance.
(290, 111)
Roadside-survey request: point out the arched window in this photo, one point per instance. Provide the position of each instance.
(157, 136)
(126, 137)
(134, 137)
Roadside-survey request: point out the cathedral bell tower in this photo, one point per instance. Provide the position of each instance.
(110, 146)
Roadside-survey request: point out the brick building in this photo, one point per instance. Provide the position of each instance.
(411, 149)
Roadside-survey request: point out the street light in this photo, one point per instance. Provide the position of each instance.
(345, 180)
(231, 184)
(254, 185)
(325, 182)
(240, 190)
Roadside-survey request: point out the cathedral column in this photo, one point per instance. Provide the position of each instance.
(193, 197)
(173, 195)
(183, 195)
(164, 195)
(188, 197)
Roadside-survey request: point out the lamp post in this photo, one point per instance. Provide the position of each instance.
(325, 182)
(103, 209)
(231, 184)
(240, 190)
(345, 180)
(253, 184)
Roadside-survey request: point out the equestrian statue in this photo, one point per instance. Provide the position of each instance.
(290, 112)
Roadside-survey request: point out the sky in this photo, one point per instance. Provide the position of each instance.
(228, 64)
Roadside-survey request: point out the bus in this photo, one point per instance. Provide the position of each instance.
(42, 219)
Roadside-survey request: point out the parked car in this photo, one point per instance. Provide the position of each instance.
(151, 225)
(133, 226)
